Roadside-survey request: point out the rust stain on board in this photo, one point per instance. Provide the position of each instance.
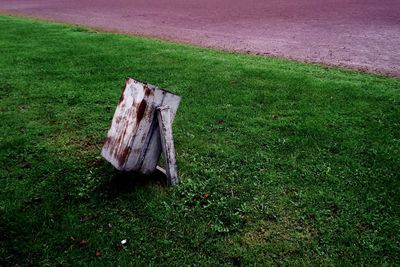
(147, 90)
(108, 141)
(140, 111)
(121, 157)
(119, 154)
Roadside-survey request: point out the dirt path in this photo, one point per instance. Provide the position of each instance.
(362, 34)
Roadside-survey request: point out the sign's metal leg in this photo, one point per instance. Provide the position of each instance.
(167, 142)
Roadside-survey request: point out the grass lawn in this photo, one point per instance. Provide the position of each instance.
(281, 162)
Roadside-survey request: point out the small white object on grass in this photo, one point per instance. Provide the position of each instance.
(123, 242)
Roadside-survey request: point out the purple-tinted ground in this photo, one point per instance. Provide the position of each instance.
(362, 34)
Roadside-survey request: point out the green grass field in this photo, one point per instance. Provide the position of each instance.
(281, 162)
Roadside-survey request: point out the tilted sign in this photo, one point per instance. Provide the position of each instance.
(141, 130)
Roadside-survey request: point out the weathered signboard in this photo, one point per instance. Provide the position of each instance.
(135, 139)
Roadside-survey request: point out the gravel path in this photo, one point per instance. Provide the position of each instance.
(361, 34)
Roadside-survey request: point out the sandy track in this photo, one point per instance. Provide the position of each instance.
(362, 34)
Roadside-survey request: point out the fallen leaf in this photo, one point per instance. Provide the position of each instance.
(98, 253)
(205, 195)
(83, 242)
(72, 238)
(274, 116)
